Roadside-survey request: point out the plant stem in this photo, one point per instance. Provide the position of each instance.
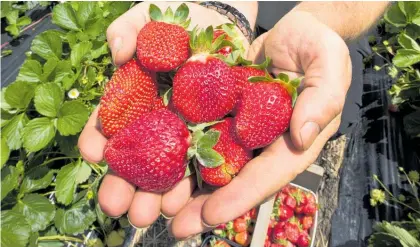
(405, 205)
(61, 238)
(48, 193)
(413, 188)
(52, 160)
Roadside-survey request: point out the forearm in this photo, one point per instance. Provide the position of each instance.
(348, 19)
(248, 9)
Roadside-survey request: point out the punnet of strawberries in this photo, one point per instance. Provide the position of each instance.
(291, 222)
(218, 109)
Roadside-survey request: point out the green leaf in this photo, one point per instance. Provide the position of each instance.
(114, 239)
(5, 53)
(155, 13)
(181, 13)
(31, 71)
(296, 82)
(9, 180)
(14, 230)
(13, 29)
(23, 21)
(5, 152)
(102, 50)
(209, 139)
(12, 17)
(399, 233)
(48, 45)
(38, 133)
(395, 16)
(65, 17)
(19, 94)
(48, 99)
(84, 12)
(75, 219)
(67, 179)
(406, 57)
(71, 38)
(13, 131)
(209, 157)
(38, 179)
(72, 117)
(38, 211)
(411, 10)
(51, 231)
(407, 42)
(167, 97)
(49, 67)
(284, 77)
(33, 239)
(79, 51)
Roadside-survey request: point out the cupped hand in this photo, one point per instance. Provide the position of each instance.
(117, 196)
(298, 44)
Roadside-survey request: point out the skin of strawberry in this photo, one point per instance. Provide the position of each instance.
(158, 104)
(241, 74)
(128, 95)
(204, 89)
(278, 234)
(285, 212)
(303, 239)
(307, 222)
(162, 47)
(263, 114)
(290, 202)
(234, 154)
(239, 225)
(292, 232)
(152, 152)
(243, 238)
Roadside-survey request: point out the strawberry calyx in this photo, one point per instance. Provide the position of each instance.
(284, 80)
(232, 35)
(178, 18)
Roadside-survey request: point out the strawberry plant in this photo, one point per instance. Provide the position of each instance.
(48, 193)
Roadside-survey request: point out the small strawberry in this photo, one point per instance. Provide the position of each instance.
(243, 238)
(310, 209)
(265, 110)
(306, 222)
(163, 43)
(204, 87)
(292, 232)
(299, 209)
(128, 95)
(151, 152)
(221, 226)
(285, 212)
(278, 234)
(253, 214)
(239, 225)
(303, 239)
(290, 202)
(234, 155)
(220, 243)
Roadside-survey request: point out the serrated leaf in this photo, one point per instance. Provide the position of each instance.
(38, 179)
(209, 158)
(102, 50)
(38, 211)
(399, 233)
(75, 219)
(31, 71)
(19, 94)
(12, 17)
(9, 180)
(5, 152)
(84, 12)
(67, 179)
(13, 130)
(65, 17)
(37, 134)
(48, 45)
(48, 99)
(395, 16)
(14, 230)
(79, 52)
(410, 9)
(209, 139)
(68, 145)
(155, 13)
(407, 42)
(48, 69)
(406, 57)
(84, 173)
(72, 117)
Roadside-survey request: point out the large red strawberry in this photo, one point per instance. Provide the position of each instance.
(265, 110)
(235, 156)
(242, 73)
(285, 212)
(204, 87)
(128, 95)
(163, 43)
(151, 152)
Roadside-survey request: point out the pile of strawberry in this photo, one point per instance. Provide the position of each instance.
(219, 107)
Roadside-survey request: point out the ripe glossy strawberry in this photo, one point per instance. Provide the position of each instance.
(204, 87)
(151, 152)
(290, 202)
(285, 212)
(158, 104)
(292, 232)
(303, 239)
(128, 95)
(278, 235)
(243, 238)
(239, 225)
(310, 209)
(242, 73)
(306, 221)
(163, 43)
(235, 156)
(264, 111)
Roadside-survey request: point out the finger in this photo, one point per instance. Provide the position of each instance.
(188, 221)
(262, 177)
(256, 51)
(91, 142)
(144, 209)
(115, 195)
(174, 200)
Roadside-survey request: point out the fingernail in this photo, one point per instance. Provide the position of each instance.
(308, 133)
(208, 226)
(115, 217)
(166, 217)
(116, 46)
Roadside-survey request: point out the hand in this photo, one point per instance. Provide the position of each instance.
(298, 44)
(116, 196)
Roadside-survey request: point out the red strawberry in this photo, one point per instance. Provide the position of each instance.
(239, 225)
(303, 239)
(242, 73)
(281, 196)
(158, 104)
(204, 87)
(310, 209)
(278, 234)
(234, 154)
(151, 152)
(225, 50)
(300, 196)
(306, 222)
(310, 198)
(253, 214)
(243, 238)
(128, 95)
(264, 112)
(292, 232)
(299, 209)
(290, 202)
(163, 43)
(267, 243)
(285, 212)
